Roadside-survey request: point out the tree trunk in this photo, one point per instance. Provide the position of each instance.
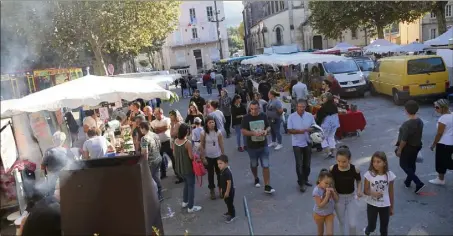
(380, 31)
(439, 10)
(99, 64)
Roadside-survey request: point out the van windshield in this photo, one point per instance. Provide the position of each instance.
(425, 65)
(365, 65)
(340, 67)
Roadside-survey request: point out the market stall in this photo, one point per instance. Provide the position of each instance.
(441, 40)
(381, 46)
(351, 121)
(412, 47)
(33, 129)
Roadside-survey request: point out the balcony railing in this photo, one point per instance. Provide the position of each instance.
(192, 41)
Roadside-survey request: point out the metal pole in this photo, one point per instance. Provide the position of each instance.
(247, 214)
(218, 29)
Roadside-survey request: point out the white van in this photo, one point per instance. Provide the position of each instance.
(348, 74)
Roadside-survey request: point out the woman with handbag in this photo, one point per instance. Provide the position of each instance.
(211, 148)
(182, 150)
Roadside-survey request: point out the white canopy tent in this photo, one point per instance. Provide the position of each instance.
(381, 46)
(343, 47)
(90, 91)
(162, 80)
(292, 59)
(443, 39)
(412, 47)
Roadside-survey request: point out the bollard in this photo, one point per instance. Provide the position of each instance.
(249, 217)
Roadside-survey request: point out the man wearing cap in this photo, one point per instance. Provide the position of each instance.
(198, 100)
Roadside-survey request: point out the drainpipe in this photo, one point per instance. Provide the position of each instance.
(291, 19)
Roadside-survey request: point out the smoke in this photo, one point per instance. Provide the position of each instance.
(26, 27)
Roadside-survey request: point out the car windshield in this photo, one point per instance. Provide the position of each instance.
(365, 65)
(340, 67)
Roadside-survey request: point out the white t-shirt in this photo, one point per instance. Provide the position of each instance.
(380, 184)
(447, 136)
(96, 146)
(219, 119)
(165, 121)
(212, 147)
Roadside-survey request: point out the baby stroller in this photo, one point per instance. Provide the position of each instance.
(316, 135)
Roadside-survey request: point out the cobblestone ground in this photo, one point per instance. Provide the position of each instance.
(288, 211)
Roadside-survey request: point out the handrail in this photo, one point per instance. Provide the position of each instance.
(249, 217)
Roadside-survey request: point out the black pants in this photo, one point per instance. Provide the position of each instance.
(372, 213)
(229, 202)
(219, 87)
(211, 167)
(444, 161)
(166, 148)
(408, 164)
(303, 161)
(227, 125)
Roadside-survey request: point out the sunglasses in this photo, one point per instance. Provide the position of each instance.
(436, 107)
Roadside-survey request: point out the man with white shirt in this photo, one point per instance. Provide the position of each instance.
(300, 91)
(161, 126)
(299, 126)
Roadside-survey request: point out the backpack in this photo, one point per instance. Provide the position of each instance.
(198, 168)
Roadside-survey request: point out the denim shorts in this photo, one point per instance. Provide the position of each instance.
(261, 154)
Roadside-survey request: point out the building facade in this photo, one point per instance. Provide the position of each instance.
(195, 42)
(273, 23)
(429, 23)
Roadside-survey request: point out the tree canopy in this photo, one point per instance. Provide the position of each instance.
(122, 26)
(67, 30)
(331, 18)
(235, 42)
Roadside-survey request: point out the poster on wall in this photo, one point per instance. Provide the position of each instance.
(41, 130)
(103, 113)
(61, 78)
(8, 145)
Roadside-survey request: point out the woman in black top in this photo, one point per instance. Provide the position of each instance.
(237, 112)
(328, 119)
(345, 175)
(192, 113)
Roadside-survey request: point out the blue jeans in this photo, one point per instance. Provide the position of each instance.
(154, 167)
(261, 154)
(188, 195)
(209, 87)
(237, 129)
(275, 131)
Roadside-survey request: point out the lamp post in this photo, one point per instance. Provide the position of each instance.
(217, 21)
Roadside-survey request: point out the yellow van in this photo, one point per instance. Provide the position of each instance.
(406, 77)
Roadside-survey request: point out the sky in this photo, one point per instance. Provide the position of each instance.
(233, 12)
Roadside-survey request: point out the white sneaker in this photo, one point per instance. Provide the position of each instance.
(184, 204)
(278, 147)
(437, 181)
(194, 209)
(272, 144)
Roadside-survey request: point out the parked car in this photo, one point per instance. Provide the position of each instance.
(408, 77)
(366, 65)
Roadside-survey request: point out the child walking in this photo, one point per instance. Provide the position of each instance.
(227, 187)
(325, 198)
(346, 177)
(379, 189)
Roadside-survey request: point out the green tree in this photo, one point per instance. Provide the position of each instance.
(121, 26)
(241, 30)
(331, 18)
(235, 42)
(438, 8)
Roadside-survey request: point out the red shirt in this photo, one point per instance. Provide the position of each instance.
(206, 77)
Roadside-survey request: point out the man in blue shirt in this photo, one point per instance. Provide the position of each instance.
(299, 126)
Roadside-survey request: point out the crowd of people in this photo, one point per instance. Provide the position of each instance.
(255, 115)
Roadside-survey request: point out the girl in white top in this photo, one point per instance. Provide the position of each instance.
(443, 142)
(212, 148)
(379, 191)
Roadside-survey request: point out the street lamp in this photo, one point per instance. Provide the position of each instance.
(217, 21)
